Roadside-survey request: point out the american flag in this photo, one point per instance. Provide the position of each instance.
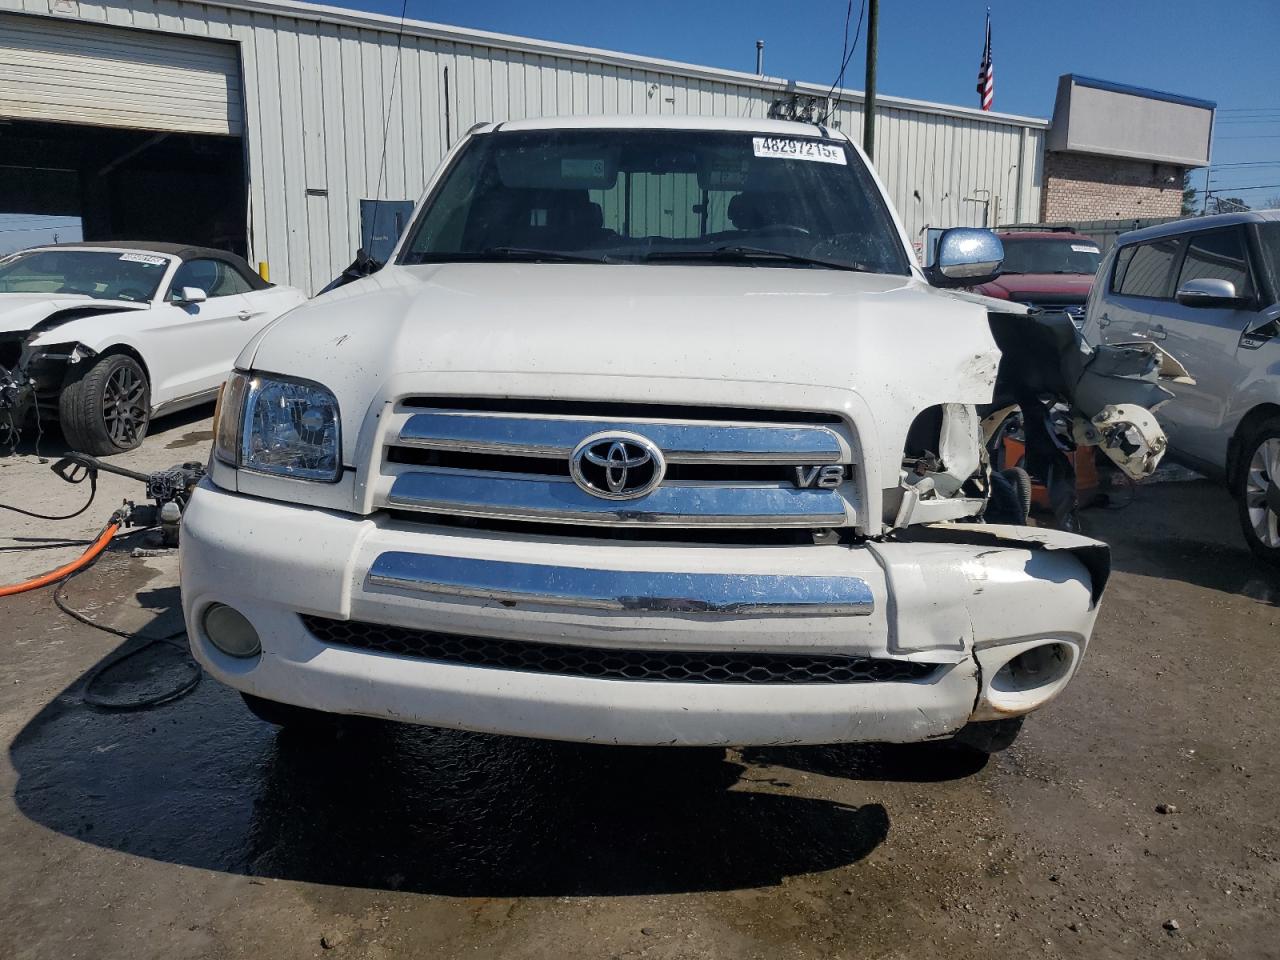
(986, 73)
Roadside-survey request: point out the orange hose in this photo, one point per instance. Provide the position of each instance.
(53, 576)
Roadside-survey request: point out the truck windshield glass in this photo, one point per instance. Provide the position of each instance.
(648, 196)
(1045, 255)
(103, 275)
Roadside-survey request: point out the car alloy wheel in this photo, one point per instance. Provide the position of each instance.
(123, 409)
(1262, 492)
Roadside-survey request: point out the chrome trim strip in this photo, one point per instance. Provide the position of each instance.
(680, 442)
(768, 595)
(562, 501)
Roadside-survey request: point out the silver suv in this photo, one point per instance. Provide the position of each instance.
(1207, 290)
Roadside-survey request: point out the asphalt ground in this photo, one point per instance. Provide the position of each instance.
(194, 830)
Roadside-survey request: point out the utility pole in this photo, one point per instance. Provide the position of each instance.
(869, 100)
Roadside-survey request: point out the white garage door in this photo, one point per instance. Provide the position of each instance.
(73, 72)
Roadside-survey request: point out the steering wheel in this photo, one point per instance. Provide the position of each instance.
(130, 294)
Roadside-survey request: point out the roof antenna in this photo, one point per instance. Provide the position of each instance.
(386, 129)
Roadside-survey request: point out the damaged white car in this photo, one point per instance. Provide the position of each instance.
(652, 432)
(102, 337)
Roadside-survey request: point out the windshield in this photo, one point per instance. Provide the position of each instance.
(1050, 255)
(103, 275)
(637, 196)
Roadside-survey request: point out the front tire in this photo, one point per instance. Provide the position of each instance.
(108, 410)
(1257, 490)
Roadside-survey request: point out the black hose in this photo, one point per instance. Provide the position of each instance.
(43, 545)
(93, 492)
(180, 689)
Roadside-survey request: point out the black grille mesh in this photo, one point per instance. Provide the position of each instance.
(669, 665)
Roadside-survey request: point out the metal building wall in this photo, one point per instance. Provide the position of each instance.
(321, 85)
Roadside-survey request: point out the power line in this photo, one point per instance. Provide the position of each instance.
(1259, 186)
(846, 50)
(53, 226)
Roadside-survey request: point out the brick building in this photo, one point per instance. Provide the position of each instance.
(1117, 152)
(1082, 187)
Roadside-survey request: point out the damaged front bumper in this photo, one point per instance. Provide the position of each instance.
(31, 378)
(17, 397)
(590, 640)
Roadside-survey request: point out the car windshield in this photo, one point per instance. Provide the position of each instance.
(101, 274)
(1050, 255)
(649, 196)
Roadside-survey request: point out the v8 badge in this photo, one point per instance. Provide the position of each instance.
(825, 478)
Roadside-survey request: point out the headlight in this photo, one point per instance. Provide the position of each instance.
(280, 425)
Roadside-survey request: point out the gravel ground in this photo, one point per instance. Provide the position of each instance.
(192, 830)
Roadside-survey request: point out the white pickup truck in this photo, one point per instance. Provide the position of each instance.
(651, 432)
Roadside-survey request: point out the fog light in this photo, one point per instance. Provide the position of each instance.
(1033, 668)
(230, 631)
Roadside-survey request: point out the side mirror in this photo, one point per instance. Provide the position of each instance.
(966, 257)
(190, 295)
(1209, 292)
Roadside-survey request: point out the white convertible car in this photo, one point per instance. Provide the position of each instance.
(103, 337)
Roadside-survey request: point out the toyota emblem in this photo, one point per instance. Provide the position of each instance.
(617, 466)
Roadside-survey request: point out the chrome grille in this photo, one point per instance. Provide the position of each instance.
(513, 465)
(607, 663)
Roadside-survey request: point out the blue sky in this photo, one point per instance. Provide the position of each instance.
(929, 49)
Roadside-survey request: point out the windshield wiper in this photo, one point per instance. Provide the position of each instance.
(736, 253)
(509, 253)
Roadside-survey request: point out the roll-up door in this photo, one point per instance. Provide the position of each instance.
(68, 71)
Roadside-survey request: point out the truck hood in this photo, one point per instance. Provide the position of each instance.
(890, 335)
(20, 312)
(1032, 286)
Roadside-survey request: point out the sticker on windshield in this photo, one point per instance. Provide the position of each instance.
(779, 148)
(142, 258)
(1084, 248)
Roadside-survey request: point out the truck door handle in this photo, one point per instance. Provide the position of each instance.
(1158, 332)
(1104, 321)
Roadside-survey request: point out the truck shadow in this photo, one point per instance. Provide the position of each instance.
(904, 763)
(200, 782)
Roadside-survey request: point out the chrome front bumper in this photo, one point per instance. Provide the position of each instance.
(962, 607)
(761, 595)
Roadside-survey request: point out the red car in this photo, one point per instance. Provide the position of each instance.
(1052, 270)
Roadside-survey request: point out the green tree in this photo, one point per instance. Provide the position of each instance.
(1189, 205)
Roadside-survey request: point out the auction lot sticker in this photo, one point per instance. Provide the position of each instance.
(781, 148)
(142, 258)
